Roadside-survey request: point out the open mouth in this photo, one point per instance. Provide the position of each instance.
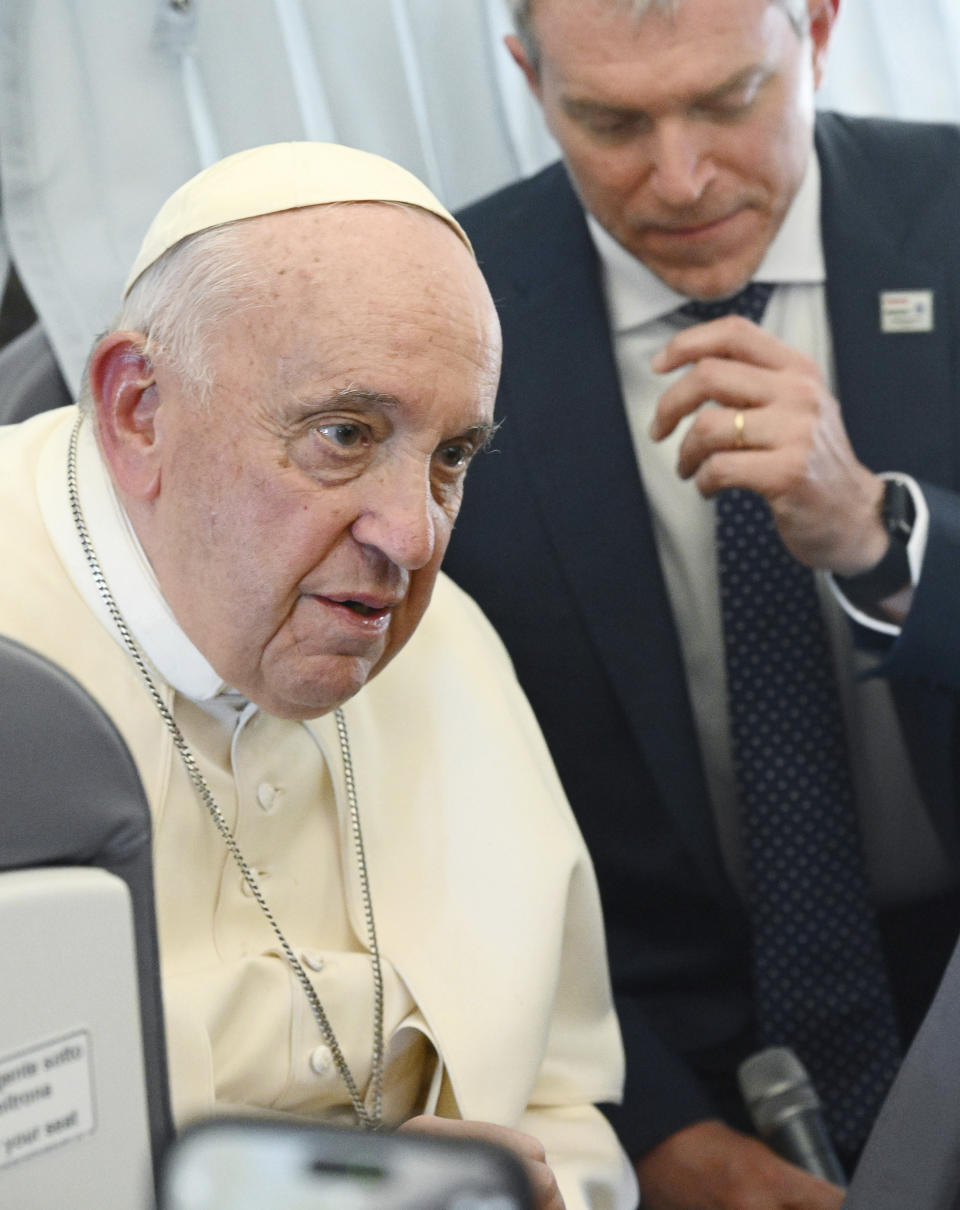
(371, 610)
(358, 607)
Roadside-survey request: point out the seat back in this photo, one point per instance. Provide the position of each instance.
(79, 945)
(30, 379)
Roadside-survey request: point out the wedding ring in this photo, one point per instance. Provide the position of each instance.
(739, 442)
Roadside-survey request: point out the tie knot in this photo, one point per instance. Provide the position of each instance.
(751, 303)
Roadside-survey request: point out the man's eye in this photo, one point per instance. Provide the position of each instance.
(729, 109)
(738, 103)
(454, 456)
(347, 436)
(610, 126)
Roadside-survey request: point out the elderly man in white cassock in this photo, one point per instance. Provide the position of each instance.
(373, 903)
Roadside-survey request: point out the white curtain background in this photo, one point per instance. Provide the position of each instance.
(107, 105)
(896, 58)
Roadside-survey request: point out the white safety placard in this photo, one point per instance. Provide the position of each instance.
(46, 1096)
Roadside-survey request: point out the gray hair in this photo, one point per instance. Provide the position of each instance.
(179, 302)
(521, 11)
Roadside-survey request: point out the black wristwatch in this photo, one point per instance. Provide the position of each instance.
(892, 573)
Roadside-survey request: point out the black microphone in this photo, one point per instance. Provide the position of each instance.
(786, 1111)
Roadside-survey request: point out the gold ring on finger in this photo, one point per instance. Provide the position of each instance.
(739, 441)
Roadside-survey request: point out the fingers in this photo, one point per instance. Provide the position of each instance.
(725, 448)
(734, 384)
(734, 338)
(778, 431)
(732, 362)
(546, 1194)
(543, 1184)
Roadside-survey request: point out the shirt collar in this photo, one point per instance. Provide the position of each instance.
(125, 566)
(635, 296)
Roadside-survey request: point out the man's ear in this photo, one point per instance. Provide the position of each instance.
(823, 13)
(126, 400)
(522, 60)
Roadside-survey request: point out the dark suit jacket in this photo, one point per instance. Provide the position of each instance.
(555, 541)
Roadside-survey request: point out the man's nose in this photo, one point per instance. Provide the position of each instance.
(680, 169)
(399, 519)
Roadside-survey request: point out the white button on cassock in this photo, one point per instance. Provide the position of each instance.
(267, 796)
(314, 960)
(321, 1061)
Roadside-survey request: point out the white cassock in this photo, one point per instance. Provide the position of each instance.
(497, 999)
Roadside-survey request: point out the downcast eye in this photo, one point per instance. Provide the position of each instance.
(344, 435)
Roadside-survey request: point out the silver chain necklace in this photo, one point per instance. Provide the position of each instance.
(369, 1118)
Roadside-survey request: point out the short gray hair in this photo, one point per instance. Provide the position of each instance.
(521, 11)
(179, 302)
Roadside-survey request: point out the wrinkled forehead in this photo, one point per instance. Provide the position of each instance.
(361, 249)
(329, 278)
(372, 230)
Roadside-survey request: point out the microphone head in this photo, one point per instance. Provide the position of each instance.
(775, 1086)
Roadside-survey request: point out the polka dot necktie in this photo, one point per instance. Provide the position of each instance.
(820, 980)
(751, 302)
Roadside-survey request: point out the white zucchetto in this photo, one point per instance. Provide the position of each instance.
(276, 177)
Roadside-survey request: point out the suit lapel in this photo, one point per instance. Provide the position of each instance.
(896, 391)
(593, 506)
(895, 388)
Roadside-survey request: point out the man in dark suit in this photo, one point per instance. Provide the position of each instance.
(690, 171)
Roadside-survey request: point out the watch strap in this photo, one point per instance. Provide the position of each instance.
(898, 514)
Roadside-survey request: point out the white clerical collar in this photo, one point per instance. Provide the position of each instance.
(636, 297)
(124, 564)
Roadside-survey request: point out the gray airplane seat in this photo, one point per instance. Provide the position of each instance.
(84, 1106)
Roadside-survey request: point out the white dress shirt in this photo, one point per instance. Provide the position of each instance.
(903, 854)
